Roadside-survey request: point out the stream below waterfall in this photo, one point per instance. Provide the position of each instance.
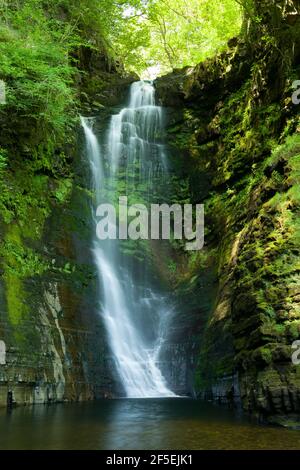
(157, 424)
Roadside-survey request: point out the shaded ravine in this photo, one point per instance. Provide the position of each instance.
(135, 315)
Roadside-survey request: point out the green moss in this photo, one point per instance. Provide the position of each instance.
(292, 330)
(64, 189)
(248, 150)
(15, 298)
(18, 259)
(266, 354)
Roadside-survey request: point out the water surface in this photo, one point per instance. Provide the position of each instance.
(157, 424)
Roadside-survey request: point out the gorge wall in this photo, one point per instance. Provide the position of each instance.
(234, 126)
(53, 347)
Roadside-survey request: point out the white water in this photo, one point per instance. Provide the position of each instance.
(135, 316)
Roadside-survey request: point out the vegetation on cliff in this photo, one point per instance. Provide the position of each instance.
(170, 34)
(242, 131)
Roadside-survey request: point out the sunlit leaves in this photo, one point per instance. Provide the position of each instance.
(167, 34)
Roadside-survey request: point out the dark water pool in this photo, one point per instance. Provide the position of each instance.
(177, 424)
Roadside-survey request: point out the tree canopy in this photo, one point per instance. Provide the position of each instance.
(160, 35)
(148, 36)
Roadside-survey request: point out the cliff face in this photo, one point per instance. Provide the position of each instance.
(234, 125)
(53, 347)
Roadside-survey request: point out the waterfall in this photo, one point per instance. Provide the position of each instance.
(130, 160)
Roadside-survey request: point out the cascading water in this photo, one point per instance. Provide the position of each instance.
(136, 317)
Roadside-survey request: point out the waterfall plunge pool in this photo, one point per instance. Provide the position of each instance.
(143, 424)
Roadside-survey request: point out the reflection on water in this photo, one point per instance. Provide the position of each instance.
(160, 424)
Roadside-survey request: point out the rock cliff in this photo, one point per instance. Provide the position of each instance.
(54, 346)
(235, 129)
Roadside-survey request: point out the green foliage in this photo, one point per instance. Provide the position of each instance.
(160, 35)
(36, 69)
(19, 260)
(15, 298)
(187, 32)
(3, 159)
(172, 266)
(38, 38)
(63, 190)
